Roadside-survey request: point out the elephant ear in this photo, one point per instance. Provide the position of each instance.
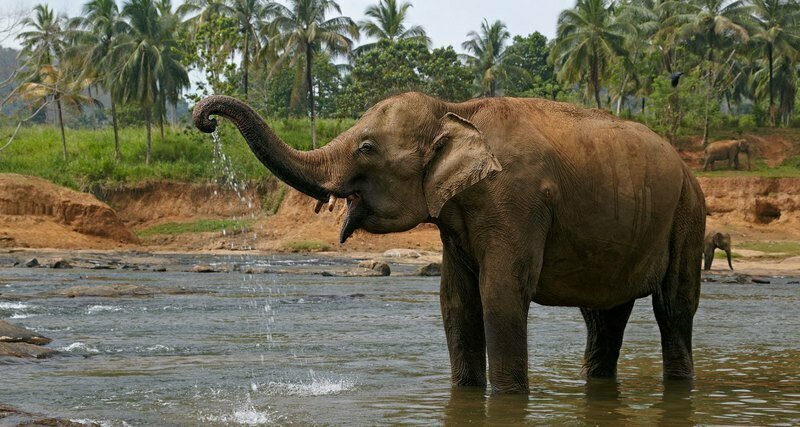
(457, 159)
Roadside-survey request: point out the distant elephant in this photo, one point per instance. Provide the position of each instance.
(727, 150)
(534, 200)
(713, 241)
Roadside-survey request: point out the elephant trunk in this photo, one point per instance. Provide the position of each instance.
(306, 171)
(728, 253)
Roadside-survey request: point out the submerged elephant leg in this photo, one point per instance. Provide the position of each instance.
(605, 329)
(675, 301)
(463, 321)
(505, 313)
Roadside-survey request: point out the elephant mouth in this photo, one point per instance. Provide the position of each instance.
(357, 212)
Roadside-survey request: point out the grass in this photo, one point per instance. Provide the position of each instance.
(773, 249)
(790, 168)
(201, 226)
(307, 246)
(722, 255)
(186, 155)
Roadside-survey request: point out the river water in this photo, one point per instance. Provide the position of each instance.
(304, 349)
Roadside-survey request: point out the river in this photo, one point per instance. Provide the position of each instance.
(304, 349)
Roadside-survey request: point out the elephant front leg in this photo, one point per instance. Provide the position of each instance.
(605, 329)
(505, 318)
(463, 322)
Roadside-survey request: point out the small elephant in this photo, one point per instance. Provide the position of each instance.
(716, 240)
(727, 150)
(526, 214)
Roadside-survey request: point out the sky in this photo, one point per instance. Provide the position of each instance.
(446, 22)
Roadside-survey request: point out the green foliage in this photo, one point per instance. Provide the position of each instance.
(529, 54)
(201, 226)
(404, 65)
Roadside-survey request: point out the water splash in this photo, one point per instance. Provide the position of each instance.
(317, 386)
(246, 413)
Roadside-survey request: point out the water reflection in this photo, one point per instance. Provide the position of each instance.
(475, 406)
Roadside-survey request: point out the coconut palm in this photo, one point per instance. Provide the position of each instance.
(587, 40)
(387, 21)
(487, 50)
(150, 68)
(43, 47)
(775, 33)
(302, 30)
(102, 26)
(711, 26)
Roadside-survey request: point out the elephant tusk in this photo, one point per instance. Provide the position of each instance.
(332, 203)
(318, 206)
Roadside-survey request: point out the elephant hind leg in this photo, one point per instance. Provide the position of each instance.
(675, 300)
(604, 331)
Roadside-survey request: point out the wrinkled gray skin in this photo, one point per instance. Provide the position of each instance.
(726, 150)
(713, 241)
(535, 201)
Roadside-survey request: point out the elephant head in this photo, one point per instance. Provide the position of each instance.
(743, 146)
(716, 240)
(396, 167)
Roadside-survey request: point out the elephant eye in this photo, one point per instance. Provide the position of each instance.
(366, 146)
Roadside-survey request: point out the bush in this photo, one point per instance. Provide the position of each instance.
(747, 122)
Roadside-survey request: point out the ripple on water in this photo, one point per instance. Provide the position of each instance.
(245, 413)
(316, 386)
(102, 308)
(80, 348)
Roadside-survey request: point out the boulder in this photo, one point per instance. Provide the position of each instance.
(14, 333)
(379, 266)
(430, 269)
(33, 262)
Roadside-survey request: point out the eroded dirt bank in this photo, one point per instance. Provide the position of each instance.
(36, 213)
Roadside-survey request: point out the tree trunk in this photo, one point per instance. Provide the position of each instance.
(310, 83)
(622, 93)
(771, 93)
(246, 61)
(644, 100)
(161, 124)
(61, 125)
(117, 152)
(148, 119)
(595, 80)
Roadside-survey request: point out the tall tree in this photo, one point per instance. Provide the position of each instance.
(487, 49)
(102, 26)
(248, 14)
(530, 53)
(43, 47)
(776, 35)
(150, 65)
(303, 29)
(712, 27)
(387, 21)
(587, 40)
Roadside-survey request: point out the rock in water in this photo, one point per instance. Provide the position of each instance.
(203, 268)
(432, 269)
(33, 262)
(379, 266)
(24, 350)
(61, 264)
(14, 333)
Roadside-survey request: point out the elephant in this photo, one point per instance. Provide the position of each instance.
(716, 240)
(535, 201)
(726, 150)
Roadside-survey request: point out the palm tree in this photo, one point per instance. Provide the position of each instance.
(303, 29)
(102, 26)
(172, 76)
(150, 68)
(587, 40)
(43, 48)
(387, 22)
(487, 49)
(710, 24)
(775, 33)
(249, 14)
